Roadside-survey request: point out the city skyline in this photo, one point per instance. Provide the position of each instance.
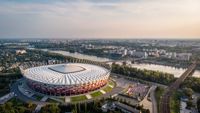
(100, 19)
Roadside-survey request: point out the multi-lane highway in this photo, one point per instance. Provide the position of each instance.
(165, 101)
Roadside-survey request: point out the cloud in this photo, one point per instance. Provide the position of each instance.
(98, 18)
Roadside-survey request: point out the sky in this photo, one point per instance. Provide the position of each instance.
(100, 19)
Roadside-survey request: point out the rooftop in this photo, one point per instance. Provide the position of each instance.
(66, 74)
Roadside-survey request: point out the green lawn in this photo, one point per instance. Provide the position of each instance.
(51, 100)
(78, 98)
(62, 98)
(112, 83)
(107, 89)
(96, 94)
(37, 97)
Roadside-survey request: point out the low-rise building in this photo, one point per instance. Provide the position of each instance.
(184, 56)
(125, 52)
(178, 56)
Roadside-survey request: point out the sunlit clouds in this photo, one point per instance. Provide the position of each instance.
(100, 19)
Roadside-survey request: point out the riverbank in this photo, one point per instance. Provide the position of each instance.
(177, 72)
(80, 56)
(176, 64)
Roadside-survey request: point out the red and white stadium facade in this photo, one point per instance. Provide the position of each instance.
(66, 79)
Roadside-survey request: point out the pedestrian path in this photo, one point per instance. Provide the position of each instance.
(6, 98)
(110, 86)
(88, 96)
(38, 108)
(67, 99)
(102, 91)
(44, 98)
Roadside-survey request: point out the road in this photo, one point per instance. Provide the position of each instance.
(165, 101)
(7, 97)
(153, 99)
(21, 96)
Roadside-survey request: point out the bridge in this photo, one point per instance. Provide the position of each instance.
(165, 101)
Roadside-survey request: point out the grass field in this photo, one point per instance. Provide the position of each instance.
(107, 89)
(112, 83)
(78, 98)
(37, 97)
(96, 94)
(51, 100)
(62, 98)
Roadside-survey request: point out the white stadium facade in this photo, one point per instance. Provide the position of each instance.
(66, 79)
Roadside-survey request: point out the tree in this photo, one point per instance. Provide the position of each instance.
(189, 104)
(29, 105)
(85, 105)
(198, 104)
(7, 108)
(149, 75)
(188, 92)
(51, 108)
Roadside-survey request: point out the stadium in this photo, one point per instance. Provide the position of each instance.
(66, 79)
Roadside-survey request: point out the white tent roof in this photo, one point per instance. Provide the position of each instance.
(66, 74)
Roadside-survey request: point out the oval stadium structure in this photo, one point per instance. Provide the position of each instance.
(66, 79)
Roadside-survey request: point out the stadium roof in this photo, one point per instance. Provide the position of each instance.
(66, 74)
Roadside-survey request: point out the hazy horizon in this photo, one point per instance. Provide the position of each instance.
(103, 38)
(100, 19)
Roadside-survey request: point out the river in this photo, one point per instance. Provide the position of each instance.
(81, 56)
(168, 69)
